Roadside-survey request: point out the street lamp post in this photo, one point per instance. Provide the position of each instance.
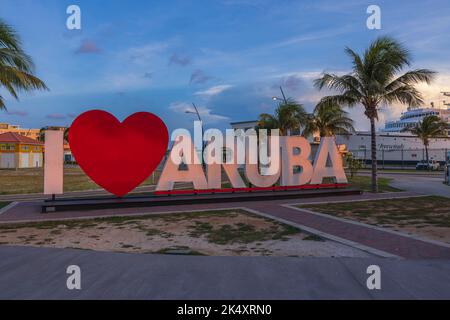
(274, 98)
(195, 112)
(201, 123)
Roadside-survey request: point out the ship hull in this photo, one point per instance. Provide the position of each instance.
(395, 148)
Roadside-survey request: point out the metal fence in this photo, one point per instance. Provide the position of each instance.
(400, 158)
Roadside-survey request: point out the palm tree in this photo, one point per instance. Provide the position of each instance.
(16, 67)
(430, 127)
(329, 119)
(289, 116)
(66, 134)
(41, 136)
(375, 81)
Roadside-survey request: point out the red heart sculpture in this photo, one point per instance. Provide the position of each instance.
(118, 156)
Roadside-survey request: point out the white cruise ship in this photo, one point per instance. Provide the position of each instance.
(414, 115)
(395, 145)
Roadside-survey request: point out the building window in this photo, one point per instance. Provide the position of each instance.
(8, 147)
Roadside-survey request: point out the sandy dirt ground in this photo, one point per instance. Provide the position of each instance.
(424, 231)
(426, 217)
(218, 233)
(412, 226)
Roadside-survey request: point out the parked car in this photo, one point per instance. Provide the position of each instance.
(430, 165)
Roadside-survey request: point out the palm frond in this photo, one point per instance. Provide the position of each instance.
(16, 67)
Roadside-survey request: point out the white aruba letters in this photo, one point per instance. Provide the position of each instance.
(328, 151)
(182, 153)
(295, 166)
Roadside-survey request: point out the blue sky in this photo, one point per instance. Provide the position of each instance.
(227, 56)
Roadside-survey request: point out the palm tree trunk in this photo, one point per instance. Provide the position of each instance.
(426, 155)
(373, 154)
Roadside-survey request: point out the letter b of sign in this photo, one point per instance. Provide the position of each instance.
(74, 280)
(74, 20)
(374, 20)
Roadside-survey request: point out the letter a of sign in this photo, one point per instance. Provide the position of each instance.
(328, 153)
(182, 153)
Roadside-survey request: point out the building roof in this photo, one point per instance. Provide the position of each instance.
(12, 137)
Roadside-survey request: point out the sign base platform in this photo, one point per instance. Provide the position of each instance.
(184, 198)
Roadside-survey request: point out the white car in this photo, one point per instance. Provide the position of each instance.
(430, 165)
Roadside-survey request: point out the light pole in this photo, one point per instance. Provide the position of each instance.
(201, 123)
(274, 98)
(195, 112)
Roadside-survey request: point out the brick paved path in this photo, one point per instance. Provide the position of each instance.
(388, 242)
(395, 244)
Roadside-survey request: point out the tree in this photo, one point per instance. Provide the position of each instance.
(41, 136)
(430, 127)
(353, 164)
(66, 134)
(328, 119)
(375, 81)
(289, 116)
(16, 67)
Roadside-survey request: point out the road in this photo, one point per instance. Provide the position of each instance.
(40, 273)
(420, 183)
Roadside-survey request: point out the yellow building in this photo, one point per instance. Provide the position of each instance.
(30, 133)
(17, 151)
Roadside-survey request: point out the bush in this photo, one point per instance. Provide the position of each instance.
(354, 165)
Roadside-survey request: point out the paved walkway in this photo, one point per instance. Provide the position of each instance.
(426, 184)
(40, 273)
(367, 237)
(430, 183)
(386, 242)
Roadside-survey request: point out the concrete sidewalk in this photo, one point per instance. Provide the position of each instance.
(40, 273)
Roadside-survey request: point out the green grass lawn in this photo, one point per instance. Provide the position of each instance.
(31, 180)
(25, 181)
(364, 183)
(429, 215)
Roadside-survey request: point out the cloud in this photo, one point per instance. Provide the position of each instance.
(205, 113)
(19, 113)
(143, 55)
(87, 47)
(127, 80)
(179, 60)
(55, 116)
(292, 83)
(199, 77)
(313, 36)
(214, 90)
